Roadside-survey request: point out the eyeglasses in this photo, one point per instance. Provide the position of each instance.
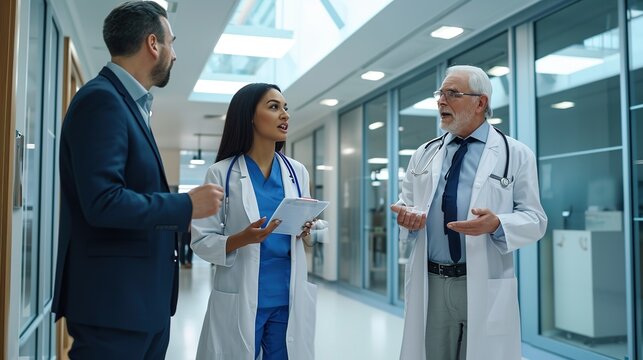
(451, 94)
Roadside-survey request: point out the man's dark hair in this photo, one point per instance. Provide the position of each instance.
(238, 131)
(130, 23)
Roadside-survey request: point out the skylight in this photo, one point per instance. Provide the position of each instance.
(277, 41)
(254, 41)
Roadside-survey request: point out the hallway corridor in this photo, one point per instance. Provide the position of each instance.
(346, 328)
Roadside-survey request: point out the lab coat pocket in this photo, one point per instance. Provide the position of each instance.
(224, 308)
(501, 197)
(502, 306)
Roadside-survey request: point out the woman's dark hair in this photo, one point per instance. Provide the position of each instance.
(130, 23)
(238, 131)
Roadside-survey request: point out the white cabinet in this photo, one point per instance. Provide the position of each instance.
(589, 282)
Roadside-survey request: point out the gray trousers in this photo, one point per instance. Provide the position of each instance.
(446, 325)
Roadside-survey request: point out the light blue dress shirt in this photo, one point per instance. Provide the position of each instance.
(141, 96)
(438, 242)
(274, 257)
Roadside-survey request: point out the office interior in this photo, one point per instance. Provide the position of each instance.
(358, 76)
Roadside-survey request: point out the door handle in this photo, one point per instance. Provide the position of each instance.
(17, 170)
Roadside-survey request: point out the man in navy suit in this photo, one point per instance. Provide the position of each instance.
(116, 275)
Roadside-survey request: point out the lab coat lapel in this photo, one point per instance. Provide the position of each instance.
(248, 192)
(487, 163)
(290, 189)
(436, 170)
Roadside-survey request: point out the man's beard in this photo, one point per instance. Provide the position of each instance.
(160, 75)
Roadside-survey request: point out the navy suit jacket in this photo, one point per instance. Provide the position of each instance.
(116, 248)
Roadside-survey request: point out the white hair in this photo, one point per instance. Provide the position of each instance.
(478, 82)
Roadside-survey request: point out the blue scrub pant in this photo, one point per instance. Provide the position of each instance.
(270, 333)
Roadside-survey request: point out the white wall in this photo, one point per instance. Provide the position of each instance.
(172, 164)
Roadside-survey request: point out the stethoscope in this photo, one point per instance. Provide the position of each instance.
(226, 201)
(504, 180)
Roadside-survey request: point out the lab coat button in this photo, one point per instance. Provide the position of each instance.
(290, 339)
(477, 185)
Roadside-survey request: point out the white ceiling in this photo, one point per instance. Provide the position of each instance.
(394, 41)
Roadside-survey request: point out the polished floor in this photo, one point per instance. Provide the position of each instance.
(346, 328)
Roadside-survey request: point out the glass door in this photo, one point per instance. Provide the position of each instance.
(579, 140)
(635, 29)
(376, 199)
(40, 205)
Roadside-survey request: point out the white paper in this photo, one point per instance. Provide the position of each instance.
(294, 212)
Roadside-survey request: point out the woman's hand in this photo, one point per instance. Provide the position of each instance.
(252, 234)
(305, 230)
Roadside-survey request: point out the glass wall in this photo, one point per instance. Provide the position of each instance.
(582, 265)
(492, 57)
(349, 197)
(376, 200)
(303, 151)
(635, 28)
(568, 66)
(31, 203)
(317, 183)
(418, 123)
(40, 204)
(310, 151)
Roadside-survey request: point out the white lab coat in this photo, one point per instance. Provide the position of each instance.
(493, 325)
(229, 326)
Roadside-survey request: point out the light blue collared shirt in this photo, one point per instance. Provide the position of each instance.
(141, 96)
(438, 242)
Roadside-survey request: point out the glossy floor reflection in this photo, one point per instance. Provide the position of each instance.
(346, 328)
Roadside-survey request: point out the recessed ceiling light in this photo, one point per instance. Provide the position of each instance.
(197, 162)
(348, 151)
(329, 102)
(494, 121)
(324, 167)
(378, 161)
(373, 75)
(498, 71)
(447, 32)
(376, 125)
(407, 152)
(563, 105)
(214, 116)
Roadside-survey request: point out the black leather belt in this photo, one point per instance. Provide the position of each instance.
(448, 270)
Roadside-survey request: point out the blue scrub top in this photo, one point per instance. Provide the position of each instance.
(274, 264)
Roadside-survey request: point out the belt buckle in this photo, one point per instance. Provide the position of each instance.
(441, 270)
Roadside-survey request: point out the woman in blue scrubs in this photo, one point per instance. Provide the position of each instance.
(261, 305)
